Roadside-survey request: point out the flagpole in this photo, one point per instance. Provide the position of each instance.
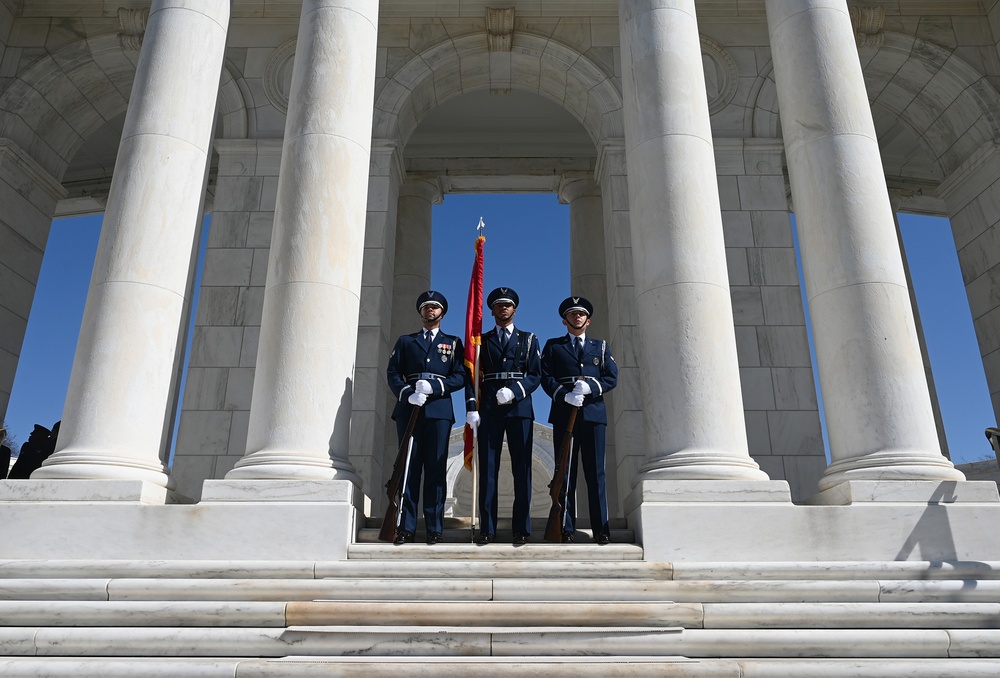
(475, 453)
(473, 337)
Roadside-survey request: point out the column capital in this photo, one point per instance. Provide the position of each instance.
(425, 188)
(573, 185)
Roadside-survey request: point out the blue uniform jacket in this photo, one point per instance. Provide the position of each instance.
(522, 355)
(560, 368)
(441, 365)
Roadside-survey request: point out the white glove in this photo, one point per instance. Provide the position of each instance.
(417, 399)
(472, 419)
(574, 399)
(504, 396)
(581, 388)
(423, 386)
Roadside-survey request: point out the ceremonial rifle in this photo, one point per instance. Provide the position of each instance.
(554, 526)
(394, 487)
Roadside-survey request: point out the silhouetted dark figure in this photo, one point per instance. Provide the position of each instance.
(5, 453)
(41, 443)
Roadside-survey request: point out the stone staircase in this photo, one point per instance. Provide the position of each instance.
(455, 609)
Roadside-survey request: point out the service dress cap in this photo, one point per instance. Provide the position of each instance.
(430, 297)
(576, 304)
(502, 295)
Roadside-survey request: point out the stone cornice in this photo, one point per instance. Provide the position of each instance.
(975, 175)
(12, 156)
(387, 160)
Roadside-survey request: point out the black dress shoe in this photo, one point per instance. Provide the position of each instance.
(520, 539)
(403, 537)
(484, 539)
(602, 539)
(567, 538)
(434, 538)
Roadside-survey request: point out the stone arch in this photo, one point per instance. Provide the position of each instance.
(66, 96)
(537, 64)
(920, 92)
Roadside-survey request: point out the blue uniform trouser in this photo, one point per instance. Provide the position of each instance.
(588, 447)
(492, 428)
(430, 458)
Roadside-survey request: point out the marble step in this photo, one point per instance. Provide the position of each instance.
(494, 641)
(500, 667)
(504, 535)
(358, 568)
(405, 613)
(346, 613)
(512, 589)
(499, 550)
(498, 567)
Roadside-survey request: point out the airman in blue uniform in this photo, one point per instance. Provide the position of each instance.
(425, 368)
(577, 371)
(511, 371)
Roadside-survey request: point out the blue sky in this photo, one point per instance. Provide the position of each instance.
(527, 248)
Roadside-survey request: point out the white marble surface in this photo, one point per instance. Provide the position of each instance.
(690, 591)
(411, 588)
(775, 532)
(112, 426)
(910, 491)
(337, 491)
(300, 418)
(143, 613)
(875, 393)
(678, 249)
(116, 530)
(819, 615)
(132, 491)
(495, 613)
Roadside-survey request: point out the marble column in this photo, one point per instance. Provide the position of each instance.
(587, 266)
(690, 374)
(878, 410)
(300, 412)
(116, 418)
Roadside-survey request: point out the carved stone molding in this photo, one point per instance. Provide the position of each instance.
(500, 28)
(868, 22)
(278, 75)
(721, 75)
(133, 23)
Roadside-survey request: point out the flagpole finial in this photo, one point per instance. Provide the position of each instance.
(481, 226)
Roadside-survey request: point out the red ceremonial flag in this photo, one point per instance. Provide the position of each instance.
(474, 331)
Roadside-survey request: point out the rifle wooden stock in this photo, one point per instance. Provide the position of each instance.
(394, 487)
(554, 526)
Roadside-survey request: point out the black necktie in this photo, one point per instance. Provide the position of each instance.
(427, 338)
(503, 340)
(578, 342)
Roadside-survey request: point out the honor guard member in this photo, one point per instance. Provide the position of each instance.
(424, 369)
(510, 366)
(577, 371)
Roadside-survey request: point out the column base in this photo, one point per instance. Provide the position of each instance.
(690, 466)
(907, 491)
(272, 466)
(891, 466)
(128, 491)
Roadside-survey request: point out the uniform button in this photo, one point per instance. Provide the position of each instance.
(428, 360)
